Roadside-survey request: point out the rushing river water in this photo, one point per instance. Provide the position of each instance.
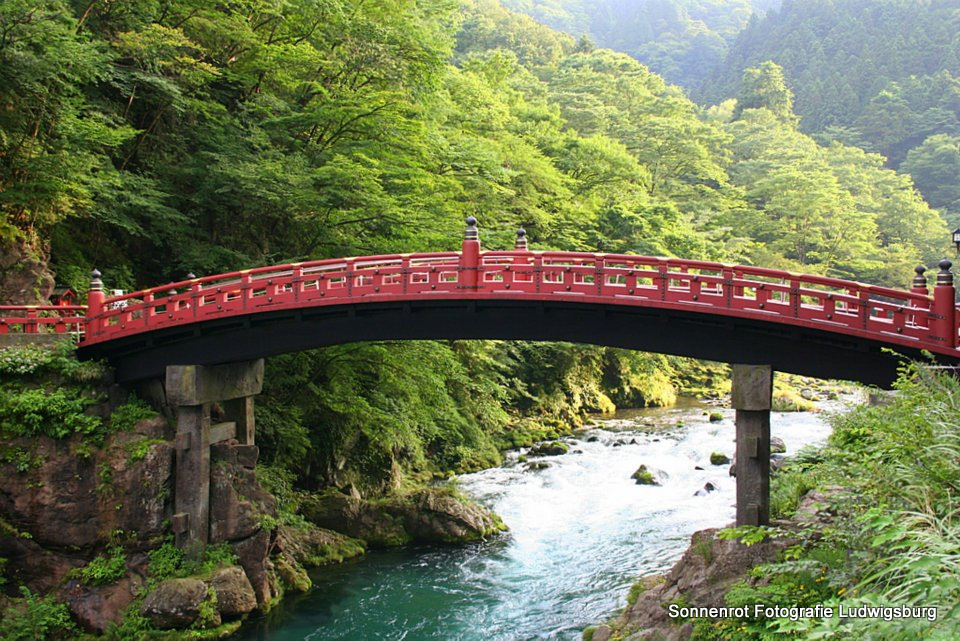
(581, 532)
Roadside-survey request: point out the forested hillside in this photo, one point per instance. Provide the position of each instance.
(879, 74)
(682, 40)
(155, 139)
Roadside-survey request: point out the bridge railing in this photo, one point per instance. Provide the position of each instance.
(905, 317)
(42, 319)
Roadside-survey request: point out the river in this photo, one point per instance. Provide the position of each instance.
(581, 532)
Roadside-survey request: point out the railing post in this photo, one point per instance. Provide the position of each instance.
(944, 305)
(919, 287)
(521, 243)
(95, 300)
(920, 281)
(470, 256)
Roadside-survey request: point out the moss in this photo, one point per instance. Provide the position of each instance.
(789, 400)
(719, 458)
(716, 417)
(209, 615)
(636, 590)
(588, 633)
(643, 476)
(293, 576)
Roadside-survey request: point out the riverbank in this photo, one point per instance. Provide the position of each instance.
(869, 520)
(86, 527)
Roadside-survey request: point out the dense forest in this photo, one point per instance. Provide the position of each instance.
(155, 139)
(880, 75)
(682, 40)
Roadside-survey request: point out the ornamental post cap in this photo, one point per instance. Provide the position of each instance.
(471, 232)
(521, 242)
(191, 275)
(919, 269)
(95, 283)
(945, 265)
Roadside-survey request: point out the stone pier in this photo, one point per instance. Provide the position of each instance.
(752, 394)
(191, 391)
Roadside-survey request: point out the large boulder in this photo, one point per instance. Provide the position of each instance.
(777, 445)
(439, 516)
(176, 604)
(235, 595)
(95, 607)
(429, 516)
(356, 517)
(254, 556)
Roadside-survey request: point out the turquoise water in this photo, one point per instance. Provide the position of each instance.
(581, 533)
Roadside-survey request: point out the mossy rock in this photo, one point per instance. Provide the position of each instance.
(719, 458)
(716, 417)
(644, 476)
(551, 448)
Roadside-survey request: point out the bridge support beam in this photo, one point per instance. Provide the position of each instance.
(752, 394)
(191, 390)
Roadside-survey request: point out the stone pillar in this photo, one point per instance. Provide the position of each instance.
(752, 394)
(190, 391)
(240, 411)
(191, 504)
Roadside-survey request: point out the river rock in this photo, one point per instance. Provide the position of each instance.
(175, 604)
(428, 516)
(719, 458)
(808, 394)
(777, 461)
(235, 595)
(439, 516)
(551, 448)
(777, 445)
(706, 489)
(537, 465)
(644, 476)
(593, 439)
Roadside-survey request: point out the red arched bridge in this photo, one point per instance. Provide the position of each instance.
(798, 323)
(760, 319)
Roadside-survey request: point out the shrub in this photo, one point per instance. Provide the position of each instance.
(56, 413)
(36, 619)
(126, 417)
(169, 562)
(103, 570)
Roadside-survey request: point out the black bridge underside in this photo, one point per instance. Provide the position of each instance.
(787, 348)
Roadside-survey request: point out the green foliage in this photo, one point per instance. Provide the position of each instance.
(35, 618)
(56, 413)
(169, 562)
(138, 450)
(125, 417)
(748, 534)
(208, 616)
(104, 569)
(30, 361)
